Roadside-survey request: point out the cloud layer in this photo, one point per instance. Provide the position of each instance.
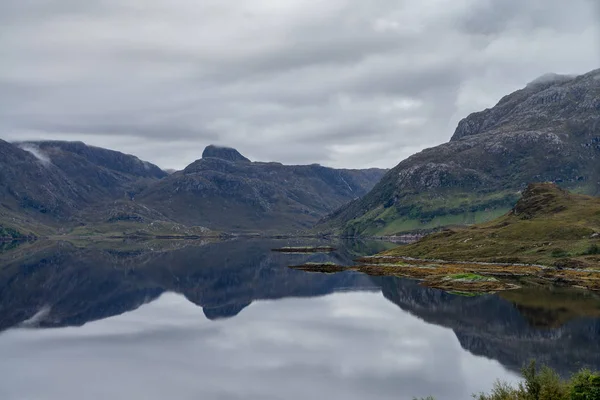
(345, 83)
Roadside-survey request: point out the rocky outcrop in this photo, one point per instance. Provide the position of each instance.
(223, 153)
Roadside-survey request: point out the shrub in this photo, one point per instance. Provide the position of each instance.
(585, 386)
(592, 250)
(545, 384)
(558, 253)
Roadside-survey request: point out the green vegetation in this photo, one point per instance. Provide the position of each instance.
(305, 249)
(139, 229)
(467, 277)
(592, 250)
(426, 213)
(545, 384)
(328, 263)
(548, 226)
(10, 233)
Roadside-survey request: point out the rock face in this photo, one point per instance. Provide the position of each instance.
(548, 131)
(224, 153)
(225, 191)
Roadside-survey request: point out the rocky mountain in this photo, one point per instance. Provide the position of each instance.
(89, 190)
(547, 131)
(49, 184)
(226, 191)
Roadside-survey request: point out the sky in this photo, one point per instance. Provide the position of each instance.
(343, 83)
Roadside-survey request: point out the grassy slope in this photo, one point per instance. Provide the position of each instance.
(547, 226)
(20, 226)
(113, 220)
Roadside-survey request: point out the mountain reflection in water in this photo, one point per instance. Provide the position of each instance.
(52, 285)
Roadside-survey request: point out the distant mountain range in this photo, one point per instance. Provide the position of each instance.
(547, 131)
(49, 187)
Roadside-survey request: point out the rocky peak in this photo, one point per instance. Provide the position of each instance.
(545, 102)
(551, 78)
(223, 153)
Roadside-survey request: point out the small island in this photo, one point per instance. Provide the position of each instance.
(305, 249)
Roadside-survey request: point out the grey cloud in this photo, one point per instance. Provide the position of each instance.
(273, 80)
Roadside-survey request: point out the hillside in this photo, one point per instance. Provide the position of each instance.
(548, 226)
(548, 131)
(47, 186)
(224, 190)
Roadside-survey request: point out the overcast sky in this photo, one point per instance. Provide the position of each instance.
(344, 83)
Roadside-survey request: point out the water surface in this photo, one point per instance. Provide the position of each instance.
(229, 320)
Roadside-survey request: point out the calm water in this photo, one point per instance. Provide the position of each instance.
(230, 321)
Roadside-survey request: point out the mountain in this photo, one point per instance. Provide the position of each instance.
(50, 184)
(547, 131)
(548, 225)
(69, 185)
(224, 190)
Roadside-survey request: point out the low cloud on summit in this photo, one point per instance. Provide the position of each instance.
(344, 83)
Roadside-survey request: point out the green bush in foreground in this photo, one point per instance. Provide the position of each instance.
(545, 384)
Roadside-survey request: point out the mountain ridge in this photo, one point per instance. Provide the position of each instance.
(547, 131)
(56, 186)
(239, 194)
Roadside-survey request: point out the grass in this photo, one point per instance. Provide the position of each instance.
(545, 384)
(305, 249)
(592, 250)
(384, 222)
(153, 229)
(469, 277)
(548, 226)
(422, 212)
(328, 263)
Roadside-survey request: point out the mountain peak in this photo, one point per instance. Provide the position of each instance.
(224, 153)
(551, 78)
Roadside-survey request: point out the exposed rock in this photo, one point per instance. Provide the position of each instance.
(224, 153)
